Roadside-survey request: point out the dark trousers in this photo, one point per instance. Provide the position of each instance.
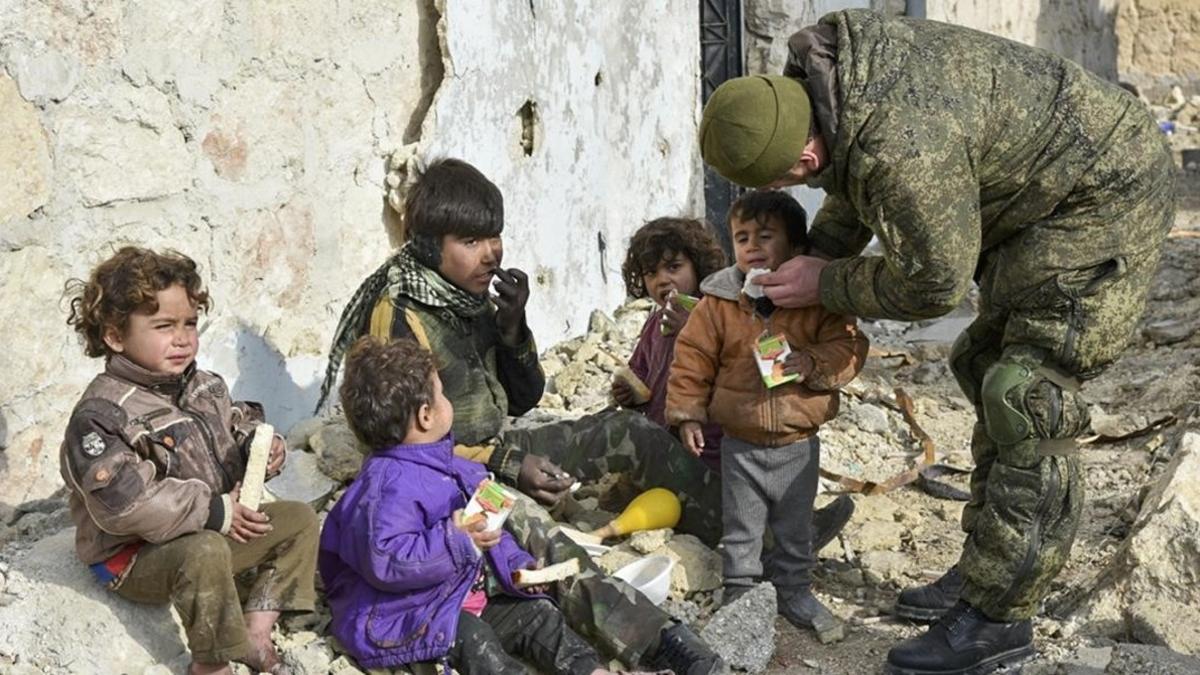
(531, 629)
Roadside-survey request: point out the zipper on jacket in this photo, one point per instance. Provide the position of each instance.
(209, 437)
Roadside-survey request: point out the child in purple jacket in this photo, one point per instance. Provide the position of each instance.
(400, 566)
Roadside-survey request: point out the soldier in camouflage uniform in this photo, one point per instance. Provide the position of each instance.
(968, 156)
(435, 291)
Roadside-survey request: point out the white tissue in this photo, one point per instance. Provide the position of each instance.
(750, 288)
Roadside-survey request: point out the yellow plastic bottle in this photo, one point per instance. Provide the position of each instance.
(653, 509)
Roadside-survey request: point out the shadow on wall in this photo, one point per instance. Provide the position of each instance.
(1085, 32)
(263, 376)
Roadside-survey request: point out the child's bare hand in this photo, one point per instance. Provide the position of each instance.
(692, 436)
(800, 364)
(540, 588)
(247, 523)
(623, 394)
(475, 527)
(277, 456)
(674, 315)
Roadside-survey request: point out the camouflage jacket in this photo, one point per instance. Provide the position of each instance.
(945, 142)
(484, 378)
(149, 457)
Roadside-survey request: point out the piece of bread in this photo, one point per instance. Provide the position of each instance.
(251, 495)
(546, 575)
(641, 393)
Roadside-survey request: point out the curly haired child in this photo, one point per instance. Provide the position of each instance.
(154, 455)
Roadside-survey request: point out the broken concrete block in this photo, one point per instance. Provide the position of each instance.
(649, 541)
(305, 653)
(743, 632)
(870, 418)
(885, 566)
(697, 567)
(1131, 659)
(339, 452)
(1152, 586)
(876, 535)
(302, 481)
(616, 558)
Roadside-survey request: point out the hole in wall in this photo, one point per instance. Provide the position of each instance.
(599, 78)
(529, 117)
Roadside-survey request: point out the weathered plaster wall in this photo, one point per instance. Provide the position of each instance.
(1158, 43)
(1082, 31)
(254, 136)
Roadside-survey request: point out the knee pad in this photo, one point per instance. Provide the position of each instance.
(1022, 401)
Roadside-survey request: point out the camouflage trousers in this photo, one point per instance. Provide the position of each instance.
(623, 441)
(1059, 304)
(197, 573)
(606, 611)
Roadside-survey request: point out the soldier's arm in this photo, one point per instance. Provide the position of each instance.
(838, 353)
(694, 369)
(122, 491)
(837, 231)
(926, 213)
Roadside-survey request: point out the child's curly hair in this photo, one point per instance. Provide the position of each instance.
(386, 384)
(655, 240)
(128, 282)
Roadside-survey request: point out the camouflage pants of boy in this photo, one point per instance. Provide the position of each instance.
(195, 573)
(1021, 363)
(623, 441)
(606, 611)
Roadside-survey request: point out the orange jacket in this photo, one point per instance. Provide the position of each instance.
(715, 377)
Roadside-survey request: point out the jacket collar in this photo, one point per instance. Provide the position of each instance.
(725, 284)
(437, 455)
(122, 368)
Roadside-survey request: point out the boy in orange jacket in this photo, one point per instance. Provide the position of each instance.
(770, 413)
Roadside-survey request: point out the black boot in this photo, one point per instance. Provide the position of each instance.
(829, 520)
(682, 651)
(962, 642)
(928, 602)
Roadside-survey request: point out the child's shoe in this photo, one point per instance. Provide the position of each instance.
(731, 593)
(803, 609)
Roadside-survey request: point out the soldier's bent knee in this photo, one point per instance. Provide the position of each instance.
(1022, 402)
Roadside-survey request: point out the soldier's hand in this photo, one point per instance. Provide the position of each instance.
(475, 527)
(692, 435)
(800, 364)
(247, 523)
(543, 480)
(797, 282)
(623, 394)
(512, 293)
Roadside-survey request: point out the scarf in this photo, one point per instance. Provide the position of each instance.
(402, 276)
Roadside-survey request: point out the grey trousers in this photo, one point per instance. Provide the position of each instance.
(768, 487)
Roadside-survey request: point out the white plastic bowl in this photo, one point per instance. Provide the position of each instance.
(650, 575)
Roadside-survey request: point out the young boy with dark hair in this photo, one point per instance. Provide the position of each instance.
(408, 578)
(770, 451)
(154, 455)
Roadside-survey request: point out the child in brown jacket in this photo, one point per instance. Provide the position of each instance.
(154, 456)
(770, 453)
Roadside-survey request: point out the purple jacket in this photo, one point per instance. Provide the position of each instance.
(394, 567)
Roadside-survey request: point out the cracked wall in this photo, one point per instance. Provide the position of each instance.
(254, 135)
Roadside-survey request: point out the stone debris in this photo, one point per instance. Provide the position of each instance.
(1151, 589)
(648, 541)
(339, 452)
(301, 480)
(743, 632)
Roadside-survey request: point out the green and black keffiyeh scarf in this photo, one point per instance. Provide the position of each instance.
(402, 276)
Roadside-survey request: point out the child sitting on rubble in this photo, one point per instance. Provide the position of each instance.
(666, 260)
(154, 455)
(770, 451)
(410, 579)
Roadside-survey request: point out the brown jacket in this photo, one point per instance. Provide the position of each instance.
(149, 457)
(715, 377)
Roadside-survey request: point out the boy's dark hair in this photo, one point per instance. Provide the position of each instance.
(657, 239)
(450, 197)
(760, 205)
(386, 384)
(127, 282)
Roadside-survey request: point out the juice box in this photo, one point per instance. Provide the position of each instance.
(493, 501)
(771, 351)
(685, 301)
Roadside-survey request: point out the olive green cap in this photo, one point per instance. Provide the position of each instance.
(754, 128)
